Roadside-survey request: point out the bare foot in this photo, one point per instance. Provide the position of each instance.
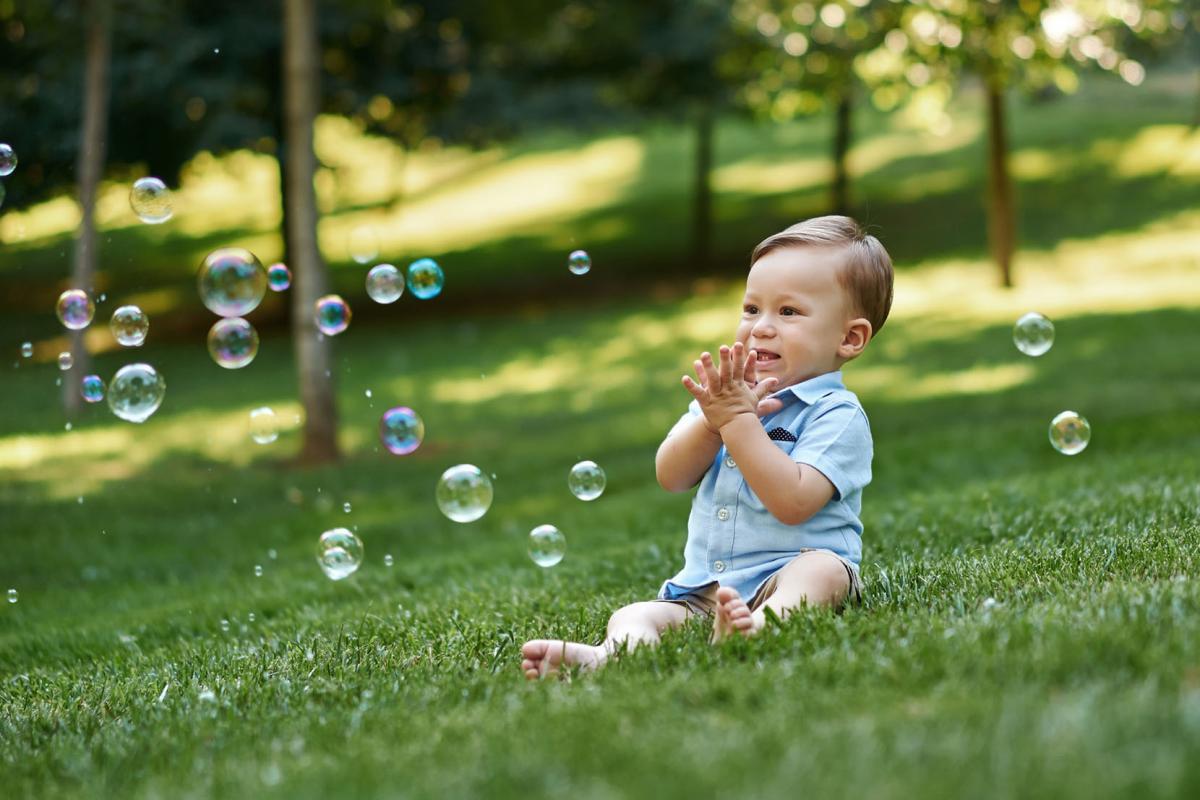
(542, 657)
(733, 616)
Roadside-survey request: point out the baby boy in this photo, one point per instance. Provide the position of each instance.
(780, 449)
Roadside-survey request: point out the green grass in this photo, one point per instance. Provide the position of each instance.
(1031, 626)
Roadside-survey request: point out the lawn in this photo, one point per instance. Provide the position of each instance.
(1031, 626)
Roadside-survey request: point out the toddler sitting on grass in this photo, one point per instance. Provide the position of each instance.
(780, 448)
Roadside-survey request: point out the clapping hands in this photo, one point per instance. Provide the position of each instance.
(731, 388)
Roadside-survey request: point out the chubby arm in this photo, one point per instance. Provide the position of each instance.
(791, 492)
(684, 457)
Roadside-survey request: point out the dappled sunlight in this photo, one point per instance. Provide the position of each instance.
(51, 218)
(898, 383)
(758, 176)
(1160, 149)
(881, 150)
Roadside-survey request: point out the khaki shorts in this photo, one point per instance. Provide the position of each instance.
(704, 599)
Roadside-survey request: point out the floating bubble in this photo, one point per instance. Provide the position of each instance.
(425, 278)
(464, 493)
(547, 545)
(264, 425)
(579, 262)
(401, 430)
(586, 480)
(346, 507)
(339, 552)
(65, 360)
(12, 595)
(1070, 433)
(136, 392)
(232, 282)
(26, 349)
(1033, 334)
(150, 199)
(92, 388)
(258, 571)
(279, 277)
(364, 244)
(8, 160)
(129, 326)
(211, 696)
(385, 284)
(232, 342)
(75, 309)
(332, 314)
(388, 560)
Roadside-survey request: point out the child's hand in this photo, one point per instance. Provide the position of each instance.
(729, 390)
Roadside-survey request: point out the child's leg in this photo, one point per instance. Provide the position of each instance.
(632, 625)
(813, 578)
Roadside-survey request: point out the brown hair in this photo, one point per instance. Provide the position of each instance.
(866, 274)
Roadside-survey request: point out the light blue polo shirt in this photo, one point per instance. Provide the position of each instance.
(733, 539)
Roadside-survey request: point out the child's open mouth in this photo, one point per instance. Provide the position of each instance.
(766, 357)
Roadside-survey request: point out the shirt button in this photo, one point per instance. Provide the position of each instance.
(719, 566)
(723, 514)
(729, 462)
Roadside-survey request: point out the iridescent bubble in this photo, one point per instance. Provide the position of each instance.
(232, 282)
(388, 560)
(26, 349)
(1033, 334)
(332, 314)
(547, 545)
(92, 388)
(401, 430)
(136, 392)
(339, 552)
(579, 262)
(129, 326)
(232, 342)
(1070, 433)
(75, 309)
(65, 360)
(425, 278)
(385, 284)
(8, 160)
(12, 595)
(279, 277)
(586, 480)
(264, 425)
(464, 493)
(364, 244)
(150, 199)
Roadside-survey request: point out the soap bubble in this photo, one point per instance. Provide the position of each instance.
(75, 309)
(264, 425)
(92, 389)
(232, 342)
(401, 430)
(1033, 334)
(364, 244)
(12, 595)
(579, 262)
(388, 560)
(65, 360)
(8, 160)
(26, 349)
(279, 277)
(258, 571)
(150, 199)
(425, 278)
(332, 314)
(346, 507)
(464, 493)
(339, 552)
(129, 326)
(1070, 433)
(385, 284)
(586, 480)
(136, 392)
(547, 545)
(232, 282)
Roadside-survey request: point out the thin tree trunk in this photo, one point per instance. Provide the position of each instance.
(702, 188)
(301, 82)
(89, 168)
(840, 190)
(1002, 225)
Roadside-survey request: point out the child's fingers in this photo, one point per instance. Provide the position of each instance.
(701, 376)
(693, 388)
(710, 378)
(750, 370)
(765, 387)
(726, 369)
(739, 361)
(769, 406)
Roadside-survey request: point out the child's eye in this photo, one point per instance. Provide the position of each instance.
(789, 312)
(750, 309)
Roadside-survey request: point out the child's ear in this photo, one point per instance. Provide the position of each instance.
(854, 341)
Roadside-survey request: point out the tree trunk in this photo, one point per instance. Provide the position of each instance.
(89, 167)
(840, 190)
(1002, 225)
(301, 82)
(702, 189)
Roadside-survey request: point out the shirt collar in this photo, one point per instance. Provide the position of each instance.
(813, 389)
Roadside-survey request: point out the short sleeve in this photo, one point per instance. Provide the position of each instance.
(693, 410)
(838, 443)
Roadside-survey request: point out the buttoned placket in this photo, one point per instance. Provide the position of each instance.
(725, 501)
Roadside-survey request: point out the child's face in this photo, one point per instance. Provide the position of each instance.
(795, 313)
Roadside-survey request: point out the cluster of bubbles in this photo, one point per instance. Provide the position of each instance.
(1033, 334)
(339, 553)
(129, 325)
(232, 342)
(151, 200)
